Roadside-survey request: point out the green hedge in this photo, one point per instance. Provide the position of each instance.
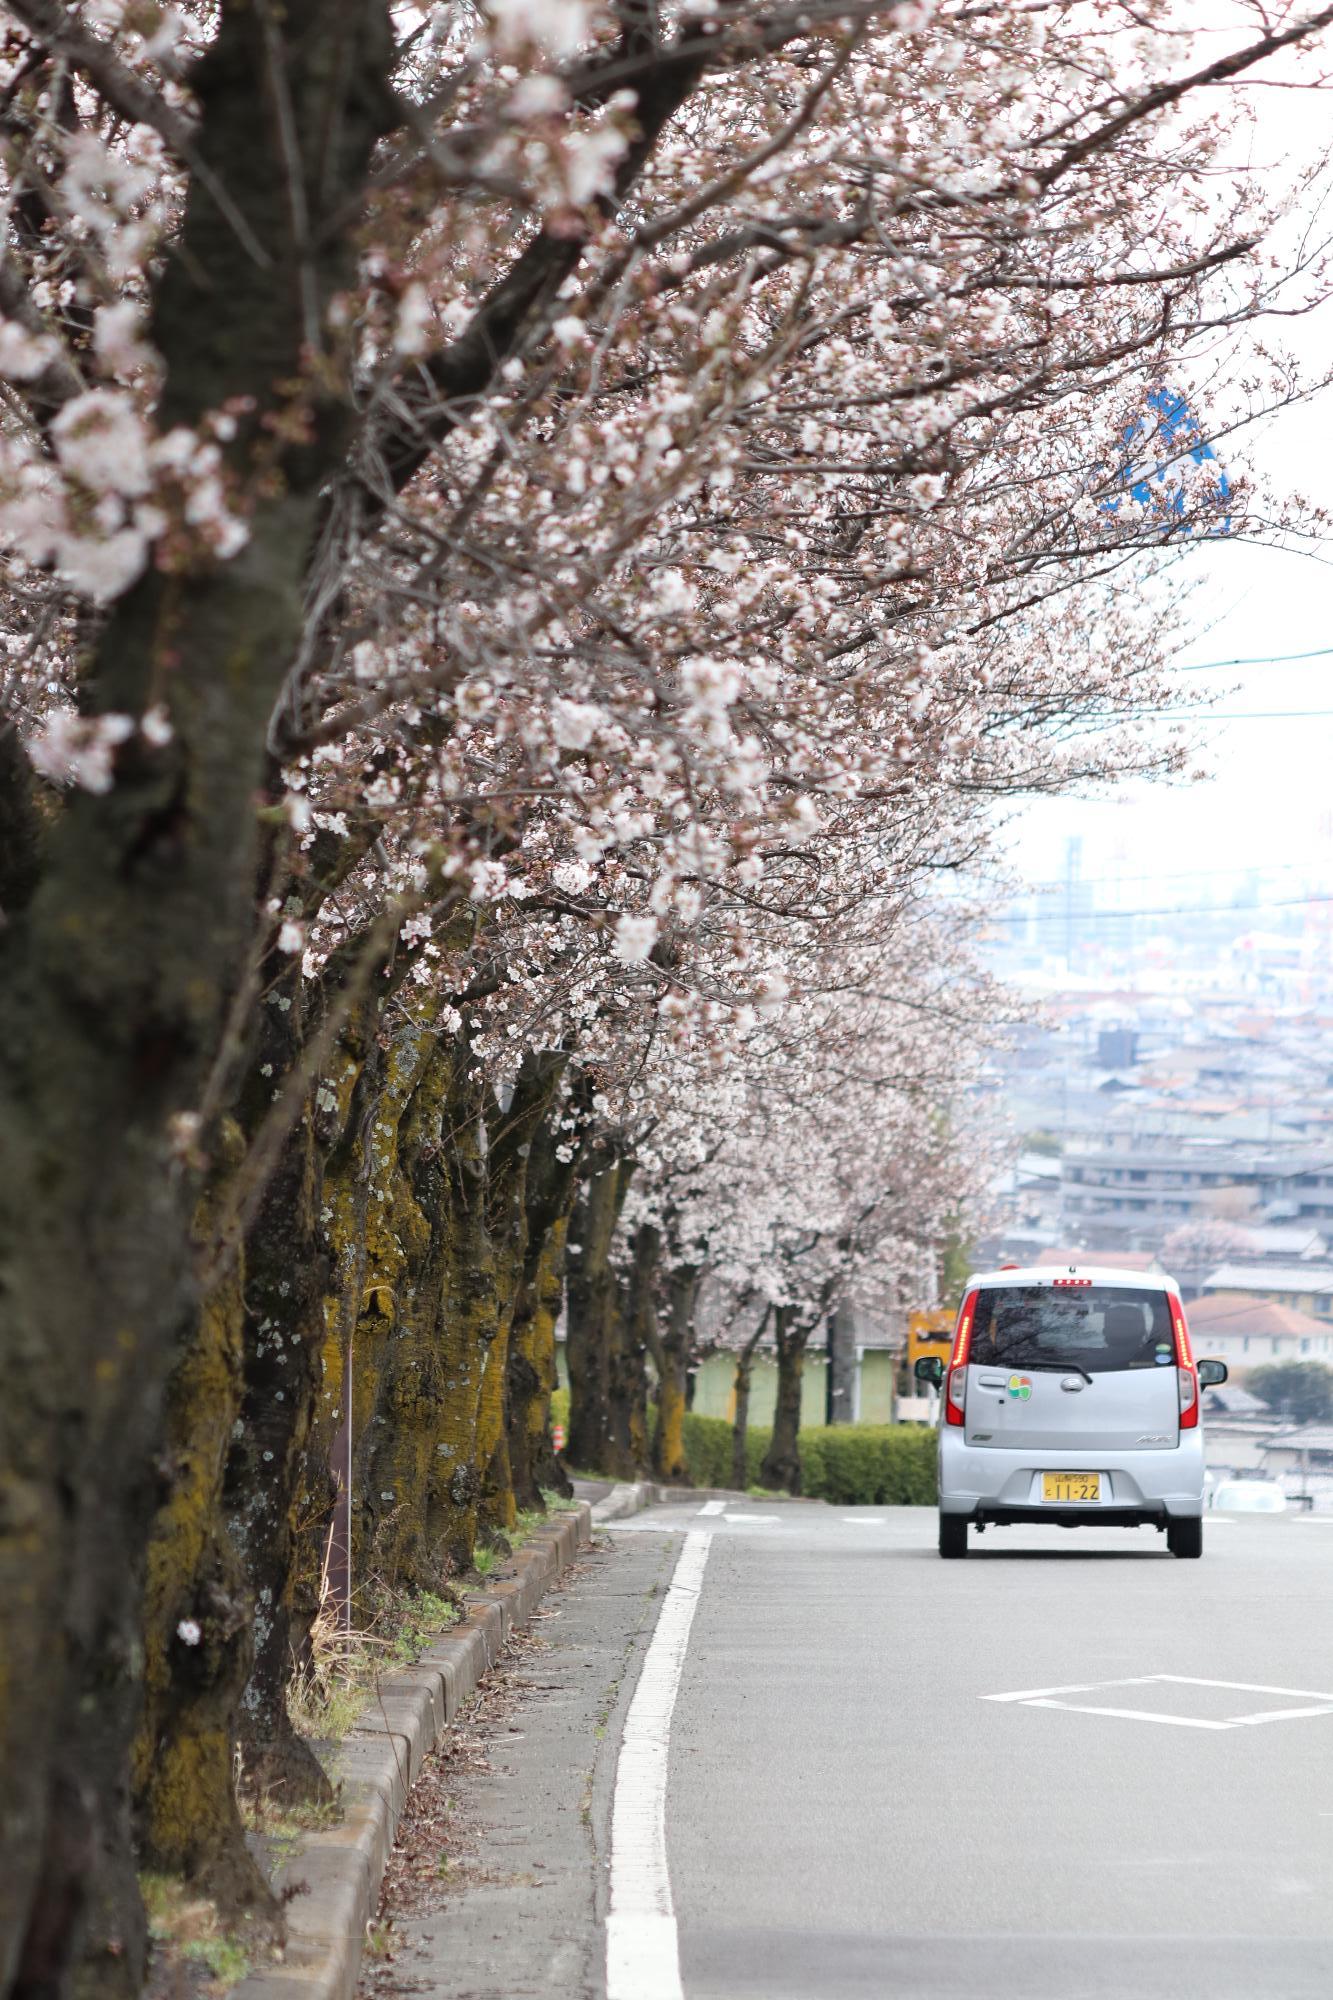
(708, 1451)
(870, 1465)
(853, 1465)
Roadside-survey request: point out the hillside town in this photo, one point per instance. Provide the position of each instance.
(1171, 1103)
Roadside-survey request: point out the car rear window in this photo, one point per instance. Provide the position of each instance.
(1095, 1327)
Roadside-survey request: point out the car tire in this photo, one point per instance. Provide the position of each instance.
(1185, 1537)
(953, 1534)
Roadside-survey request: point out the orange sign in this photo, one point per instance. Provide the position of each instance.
(929, 1333)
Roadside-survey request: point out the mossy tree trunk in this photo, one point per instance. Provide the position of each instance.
(306, 1229)
(671, 1357)
(740, 1425)
(287, 1274)
(634, 1336)
(594, 1309)
(532, 1371)
(469, 1314)
(516, 1129)
(227, 1694)
(352, 1087)
(549, 1194)
(114, 984)
(781, 1467)
(398, 1367)
(197, 1648)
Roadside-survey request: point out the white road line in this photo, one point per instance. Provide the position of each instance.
(642, 1948)
(1079, 1687)
(1046, 1698)
(1243, 1687)
(1134, 1715)
(1280, 1715)
(712, 1506)
(767, 1519)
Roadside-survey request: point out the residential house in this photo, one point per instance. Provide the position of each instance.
(1245, 1329)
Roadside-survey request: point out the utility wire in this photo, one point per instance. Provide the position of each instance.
(1170, 875)
(1258, 660)
(1074, 917)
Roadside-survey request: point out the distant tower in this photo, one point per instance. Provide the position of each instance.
(1073, 875)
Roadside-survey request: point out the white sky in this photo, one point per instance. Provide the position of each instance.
(1269, 801)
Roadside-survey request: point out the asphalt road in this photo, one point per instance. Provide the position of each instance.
(856, 1805)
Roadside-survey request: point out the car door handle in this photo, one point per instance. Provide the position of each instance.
(994, 1381)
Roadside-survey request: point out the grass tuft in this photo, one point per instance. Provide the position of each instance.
(184, 1925)
(326, 1695)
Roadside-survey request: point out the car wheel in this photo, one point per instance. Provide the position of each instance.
(1185, 1538)
(953, 1534)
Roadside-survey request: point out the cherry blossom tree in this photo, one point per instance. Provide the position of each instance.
(535, 544)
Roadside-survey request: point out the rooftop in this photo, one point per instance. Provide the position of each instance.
(1231, 1401)
(1107, 1260)
(1232, 1312)
(1270, 1278)
(1306, 1437)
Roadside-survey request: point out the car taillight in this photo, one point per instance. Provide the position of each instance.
(956, 1385)
(1187, 1376)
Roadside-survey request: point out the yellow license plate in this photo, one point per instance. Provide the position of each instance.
(1071, 1485)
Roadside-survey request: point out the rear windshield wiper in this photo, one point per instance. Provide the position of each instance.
(1054, 1368)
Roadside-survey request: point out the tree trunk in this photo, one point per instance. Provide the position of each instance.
(594, 1306)
(532, 1374)
(840, 1401)
(672, 1359)
(509, 1162)
(197, 1626)
(781, 1468)
(549, 1191)
(114, 984)
(470, 1316)
(400, 1386)
(287, 1275)
(740, 1469)
(345, 1120)
(634, 1335)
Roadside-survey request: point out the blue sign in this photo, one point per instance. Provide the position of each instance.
(1181, 466)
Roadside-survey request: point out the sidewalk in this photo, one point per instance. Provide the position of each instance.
(497, 1887)
(333, 1875)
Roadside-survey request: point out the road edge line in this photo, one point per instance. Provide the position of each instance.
(642, 1945)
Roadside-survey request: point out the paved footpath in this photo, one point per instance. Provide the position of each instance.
(785, 1753)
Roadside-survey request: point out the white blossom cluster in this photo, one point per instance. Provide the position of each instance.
(817, 507)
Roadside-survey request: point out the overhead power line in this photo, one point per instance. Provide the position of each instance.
(1256, 660)
(1065, 915)
(1117, 880)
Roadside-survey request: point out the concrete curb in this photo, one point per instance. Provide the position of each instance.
(634, 1495)
(629, 1497)
(339, 1869)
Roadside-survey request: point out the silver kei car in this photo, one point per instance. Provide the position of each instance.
(1071, 1397)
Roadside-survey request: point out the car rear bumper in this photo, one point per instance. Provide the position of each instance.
(989, 1484)
(1049, 1514)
